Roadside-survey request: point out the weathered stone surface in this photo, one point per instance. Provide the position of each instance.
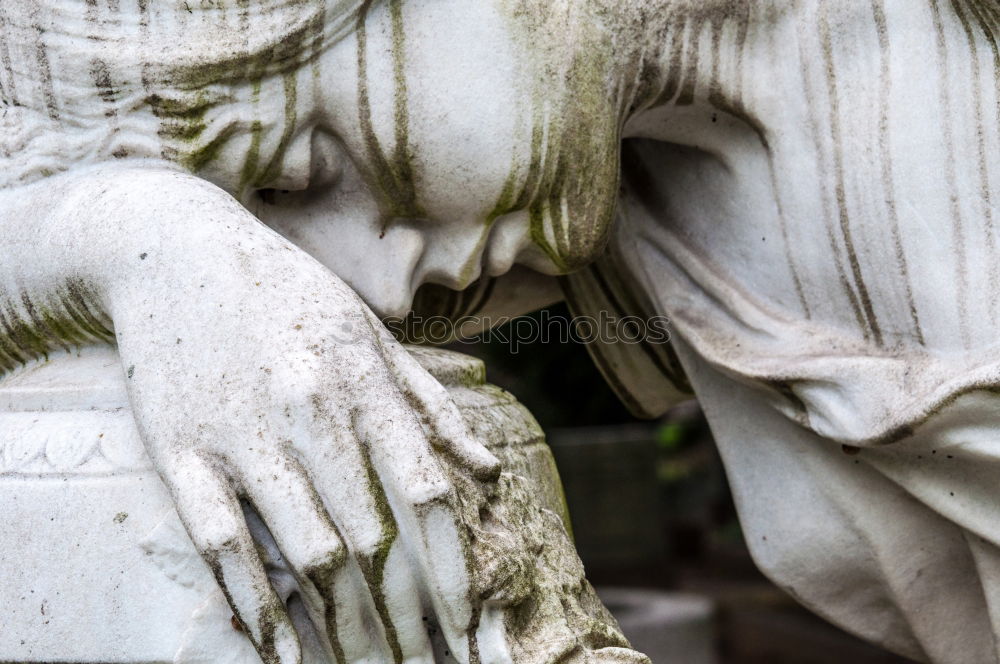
(237, 193)
(99, 567)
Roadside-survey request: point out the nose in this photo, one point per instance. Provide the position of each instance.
(388, 301)
(384, 272)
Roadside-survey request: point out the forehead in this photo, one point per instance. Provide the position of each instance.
(431, 98)
(459, 112)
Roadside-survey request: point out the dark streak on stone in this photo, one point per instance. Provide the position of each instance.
(839, 183)
(143, 16)
(988, 29)
(101, 74)
(5, 60)
(270, 613)
(290, 88)
(822, 165)
(393, 180)
(45, 68)
(78, 303)
(888, 178)
(951, 176)
(740, 15)
(675, 64)
(742, 30)
(715, 83)
(783, 223)
(373, 565)
(243, 20)
(9, 344)
(90, 15)
(403, 158)
(41, 327)
(689, 79)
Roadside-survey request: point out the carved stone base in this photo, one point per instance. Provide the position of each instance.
(96, 565)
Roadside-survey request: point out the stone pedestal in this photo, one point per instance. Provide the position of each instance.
(96, 565)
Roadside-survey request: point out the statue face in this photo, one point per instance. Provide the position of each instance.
(427, 141)
(449, 147)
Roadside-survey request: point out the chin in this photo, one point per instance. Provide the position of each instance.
(539, 262)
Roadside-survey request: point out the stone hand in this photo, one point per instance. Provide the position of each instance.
(259, 379)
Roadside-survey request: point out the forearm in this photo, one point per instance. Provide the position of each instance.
(74, 246)
(50, 294)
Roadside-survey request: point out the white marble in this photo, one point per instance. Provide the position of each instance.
(234, 192)
(99, 568)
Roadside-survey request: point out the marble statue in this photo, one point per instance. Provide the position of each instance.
(133, 588)
(234, 192)
(348, 509)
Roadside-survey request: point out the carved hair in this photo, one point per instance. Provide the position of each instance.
(111, 78)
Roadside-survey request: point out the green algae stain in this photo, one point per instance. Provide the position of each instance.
(273, 169)
(181, 120)
(252, 161)
(403, 158)
(373, 565)
(394, 179)
(508, 197)
(31, 328)
(577, 124)
(184, 123)
(203, 155)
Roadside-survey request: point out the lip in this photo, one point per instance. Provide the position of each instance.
(498, 260)
(507, 241)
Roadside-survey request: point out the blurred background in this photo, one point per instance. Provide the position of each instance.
(655, 524)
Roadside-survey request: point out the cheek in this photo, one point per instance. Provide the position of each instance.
(465, 172)
(341, 226)
(535, 258)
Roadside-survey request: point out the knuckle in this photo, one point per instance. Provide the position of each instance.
(376, 540)
(490, 469)
(302, 385)
(423, 493)
(321, 568)
(310, 375)
(217, 535)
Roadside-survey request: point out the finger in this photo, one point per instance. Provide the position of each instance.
(404, 604)
(211, 512)
(619, 656)
(280, 490)
(337, 595)
(357, 503)
(425, 507)
(438, 409)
